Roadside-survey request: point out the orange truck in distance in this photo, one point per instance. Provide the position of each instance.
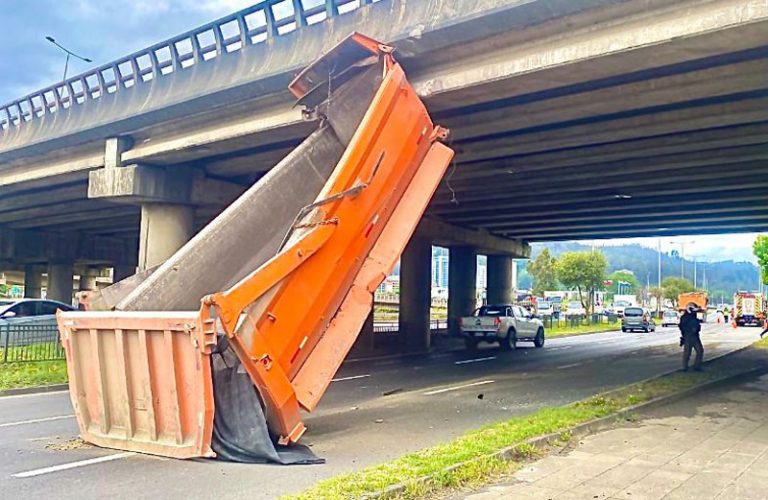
(701, 299)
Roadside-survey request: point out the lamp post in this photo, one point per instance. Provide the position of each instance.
(69, 54)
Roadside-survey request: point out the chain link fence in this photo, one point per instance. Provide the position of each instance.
(29, 341)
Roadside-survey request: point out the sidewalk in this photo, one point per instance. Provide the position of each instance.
(713, 445)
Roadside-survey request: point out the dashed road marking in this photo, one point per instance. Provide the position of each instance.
(36, 420)
(341, 379)
(574, 365)
(458, 387)
(73, 465)
(476, 360)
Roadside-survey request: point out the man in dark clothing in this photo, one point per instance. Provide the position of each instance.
(690, 327)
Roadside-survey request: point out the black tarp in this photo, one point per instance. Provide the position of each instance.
(240, 431)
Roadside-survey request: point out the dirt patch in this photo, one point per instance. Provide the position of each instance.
(71, 444)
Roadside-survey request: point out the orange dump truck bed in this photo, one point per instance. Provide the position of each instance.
(141, 380)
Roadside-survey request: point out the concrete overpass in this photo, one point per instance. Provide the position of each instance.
(589, 119)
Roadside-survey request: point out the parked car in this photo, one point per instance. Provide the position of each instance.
(575, 309)
(16, 309)
(505, 323)
(637, 318)
(545, 309)
(670, 318)
(618, 307)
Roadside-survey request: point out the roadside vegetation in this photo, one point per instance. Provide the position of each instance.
(33, 371)
(474, 458)
(567, 331)
(32, 374)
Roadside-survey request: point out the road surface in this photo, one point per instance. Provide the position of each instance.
(374, 411)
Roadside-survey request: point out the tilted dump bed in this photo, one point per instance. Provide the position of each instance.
(286, 276)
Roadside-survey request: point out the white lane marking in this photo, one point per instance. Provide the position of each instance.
(36, 420)
(560, 348)
(72, 465)
(476, 360)
(350, 378)
(52, 393)
(574, 365)
(456, 388)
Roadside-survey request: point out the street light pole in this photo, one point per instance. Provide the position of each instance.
(69, 54)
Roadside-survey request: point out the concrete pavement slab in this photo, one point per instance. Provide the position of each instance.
(708, 446)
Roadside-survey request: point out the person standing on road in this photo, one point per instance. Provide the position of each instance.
(726, 312)
(690, 328)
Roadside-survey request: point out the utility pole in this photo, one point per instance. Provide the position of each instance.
(658, 298)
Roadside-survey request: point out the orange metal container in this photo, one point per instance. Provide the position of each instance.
(291, 321)
(140, 381)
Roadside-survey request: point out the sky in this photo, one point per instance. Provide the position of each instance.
(105, 30)
(96, 29)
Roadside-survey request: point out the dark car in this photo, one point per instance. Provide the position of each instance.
(637, 318)
(15, 309)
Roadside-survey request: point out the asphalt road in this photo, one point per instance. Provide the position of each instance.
(375, 410)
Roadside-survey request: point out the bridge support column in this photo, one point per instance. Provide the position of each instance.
(60, 281)
(164, 229)
(119, 273)
(33, 281)
(415, 294)
(88, 279)
(462, 278)
(500, 279)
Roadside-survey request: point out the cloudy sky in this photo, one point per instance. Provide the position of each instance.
(96, 29)
(105, 30)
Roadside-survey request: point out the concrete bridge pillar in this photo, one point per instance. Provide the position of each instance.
(500, 279)
(120, 272)
(88, 279)
(415, 294)
(165, 228)
(60, 281)
(462, 277)
(33, 281)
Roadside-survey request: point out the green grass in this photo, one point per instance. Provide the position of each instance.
(568, 331)
(468, 460)
(32, 374)
(35, 370)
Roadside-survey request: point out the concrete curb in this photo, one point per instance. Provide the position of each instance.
(593, 426)
(34, 390)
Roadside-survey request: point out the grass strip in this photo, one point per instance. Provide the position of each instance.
(32, 374)
(468, 460)
(569, 331)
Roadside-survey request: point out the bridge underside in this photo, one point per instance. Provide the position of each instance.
(619, 121)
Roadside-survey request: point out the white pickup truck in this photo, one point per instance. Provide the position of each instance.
(506, 324)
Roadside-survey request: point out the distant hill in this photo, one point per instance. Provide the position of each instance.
(723, 278)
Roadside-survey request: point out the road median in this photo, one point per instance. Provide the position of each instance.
(491, 451)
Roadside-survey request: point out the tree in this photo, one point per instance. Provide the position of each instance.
(760, 249)
(673, 287)
(658, 293)
(584, 272)
(543, 274)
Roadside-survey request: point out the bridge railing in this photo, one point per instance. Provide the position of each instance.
(255, 24)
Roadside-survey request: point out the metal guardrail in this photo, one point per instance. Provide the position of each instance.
(393, 327)
(30, 341)
(255, 24)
